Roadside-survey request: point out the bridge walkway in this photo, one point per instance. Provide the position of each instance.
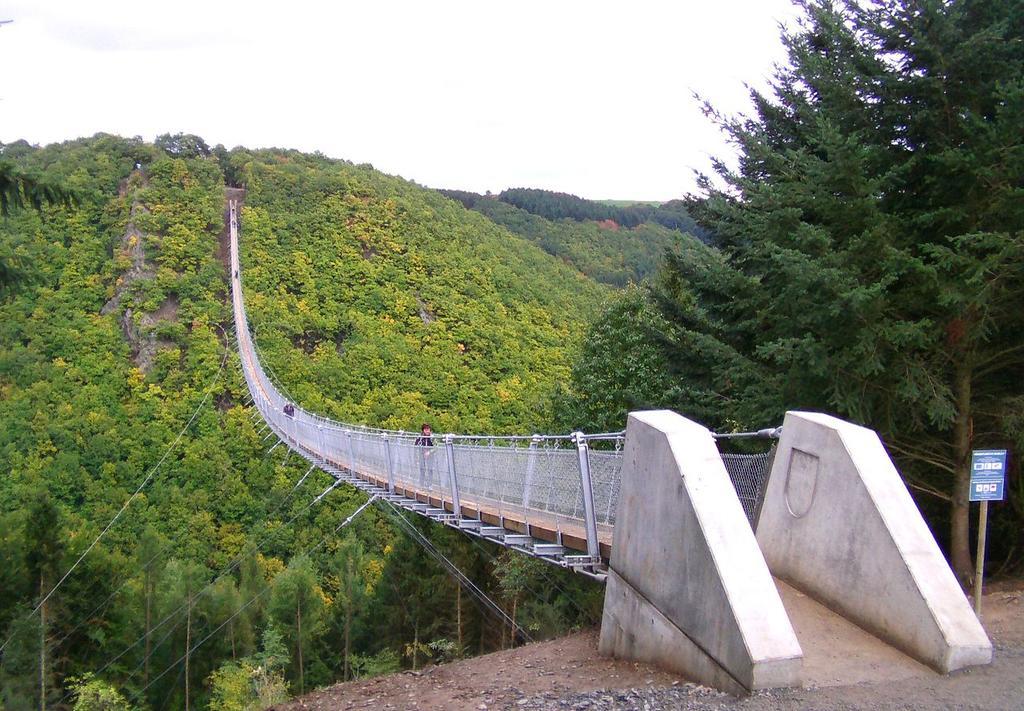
(556, 537)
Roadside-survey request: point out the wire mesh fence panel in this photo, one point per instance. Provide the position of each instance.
(369, 455)
(557, 482)
(334, 444)
(491, 476)
(606, 475)
(420, 467)
(749, 475)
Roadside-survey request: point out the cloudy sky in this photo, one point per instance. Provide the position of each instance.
(593, 98)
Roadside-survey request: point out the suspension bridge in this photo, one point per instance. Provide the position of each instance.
(550, 496)
(714, 563)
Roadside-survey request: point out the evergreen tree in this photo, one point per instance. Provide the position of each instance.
(872, 238)
(44, 556)
(348, 565)
(297, 608)
(181, 600)
(150, 557)
(412, 601)
(518, 575)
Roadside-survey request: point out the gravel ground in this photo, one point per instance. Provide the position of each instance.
(568, 673)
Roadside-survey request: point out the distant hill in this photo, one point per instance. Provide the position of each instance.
(554, 206)
(372, 300)
(630, 203)
(611, 243)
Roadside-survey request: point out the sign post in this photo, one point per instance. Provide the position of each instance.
(988, 472)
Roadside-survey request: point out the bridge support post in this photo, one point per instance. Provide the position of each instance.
(391, 466)
(351, 453)
(589, 514)
(531, 466)
(453, 481)
(688, 588)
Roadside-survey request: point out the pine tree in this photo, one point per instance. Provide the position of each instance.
(872, 237)
(297, 607)
(150, 556)
(180, 599)
(44, 557)
(348, 566)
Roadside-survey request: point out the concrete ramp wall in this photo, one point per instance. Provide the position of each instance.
(688, 588)
(839, 524)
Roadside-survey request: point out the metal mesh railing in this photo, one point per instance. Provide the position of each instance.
(749, 475)
(535, 480)
(539, 480)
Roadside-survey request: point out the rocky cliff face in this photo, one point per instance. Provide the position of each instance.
(139, 328)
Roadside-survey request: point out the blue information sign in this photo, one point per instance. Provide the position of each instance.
(988, 471)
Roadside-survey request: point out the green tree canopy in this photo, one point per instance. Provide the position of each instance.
(871, 240)
(297, 607)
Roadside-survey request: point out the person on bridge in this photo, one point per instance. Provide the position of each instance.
(425, 445)
(289, 410)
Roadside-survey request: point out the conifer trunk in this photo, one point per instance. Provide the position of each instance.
(42, 645)
(512, 632)
(298, 625)
(458, 615)
(149, 619)
(188, 644)
(960, 521)
(415, 644)
(348, 630)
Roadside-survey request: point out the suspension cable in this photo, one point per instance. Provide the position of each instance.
(256, 597)
(225, 571)
(454, 571)
(138, 490)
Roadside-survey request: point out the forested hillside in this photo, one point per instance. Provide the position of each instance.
(555, 206)
(865, 257)
(219, 583)
(380, 301)
(585, 233)
(868, 259)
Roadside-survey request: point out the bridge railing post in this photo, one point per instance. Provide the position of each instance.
(589, 514)
(321, 443)
(351, 452)
(391, 466)
(453, 480)
(531, 467)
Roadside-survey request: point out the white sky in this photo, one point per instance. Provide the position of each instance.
(593, 98)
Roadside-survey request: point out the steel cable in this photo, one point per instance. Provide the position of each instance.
(138, 490)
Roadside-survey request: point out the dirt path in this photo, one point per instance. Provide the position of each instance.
(838, 652)
(567, 673)
(564, 665)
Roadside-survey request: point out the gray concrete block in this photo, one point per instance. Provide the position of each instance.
(685, 566)
(839, 524)
(632, 628)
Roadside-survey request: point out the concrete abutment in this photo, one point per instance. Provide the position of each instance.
(839, 524)
(691, 589)
(688, 588)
